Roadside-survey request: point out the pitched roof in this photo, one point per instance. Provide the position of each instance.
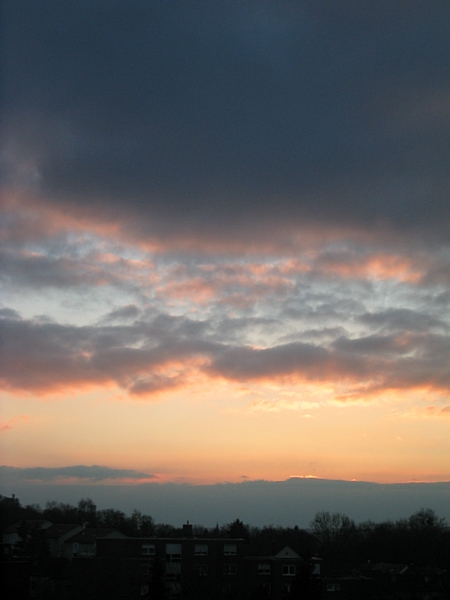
(59, 529)
(286, 553)
(90, 534)
(392, 568)
(30, 523)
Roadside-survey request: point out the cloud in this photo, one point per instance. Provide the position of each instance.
(258, 501)
(283, 404)
(433, 411)
(12, 423)
(244, 197)
(43, 356)
(125, 313)
(93, 473)
(9, 313)
(372, 365)
(250, 116)
(163, 353)
(402, 318)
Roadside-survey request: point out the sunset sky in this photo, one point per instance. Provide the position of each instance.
(225, 248)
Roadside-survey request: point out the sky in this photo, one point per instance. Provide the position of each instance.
(225, 240)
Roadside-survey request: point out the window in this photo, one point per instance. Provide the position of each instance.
(230, 549)
(201, 570)
(264, 569)
(264, 588)
(148, 549)
(333, 587)
(144, 590)
(229, 569)
(289, 570)
(201, 549)
(173, 552)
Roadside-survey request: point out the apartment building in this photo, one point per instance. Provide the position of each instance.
(184, 563)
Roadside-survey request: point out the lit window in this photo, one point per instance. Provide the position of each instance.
(230, 549)
(148, 549)
(289, 570)
(201, 549)
(264, 569)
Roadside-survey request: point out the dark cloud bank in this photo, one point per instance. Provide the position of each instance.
(223, 117)
(291, 502)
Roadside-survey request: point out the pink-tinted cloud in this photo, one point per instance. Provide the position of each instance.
(165, 353)
(434, 411)
(375, 266)
(14, 422)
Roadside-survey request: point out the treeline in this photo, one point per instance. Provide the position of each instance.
(84, 513)
(421, 539)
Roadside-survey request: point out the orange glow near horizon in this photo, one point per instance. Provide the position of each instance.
(203, 371)
(199, 440)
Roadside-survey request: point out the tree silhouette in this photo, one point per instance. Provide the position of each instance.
(237, 529)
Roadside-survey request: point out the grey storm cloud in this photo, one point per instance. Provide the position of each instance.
(94, 473)
(210, 116)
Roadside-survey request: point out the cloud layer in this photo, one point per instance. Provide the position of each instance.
(256, 502)
(95, 474)
(393, 350)
(224, 120)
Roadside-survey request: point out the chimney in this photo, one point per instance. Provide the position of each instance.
(187, 530)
